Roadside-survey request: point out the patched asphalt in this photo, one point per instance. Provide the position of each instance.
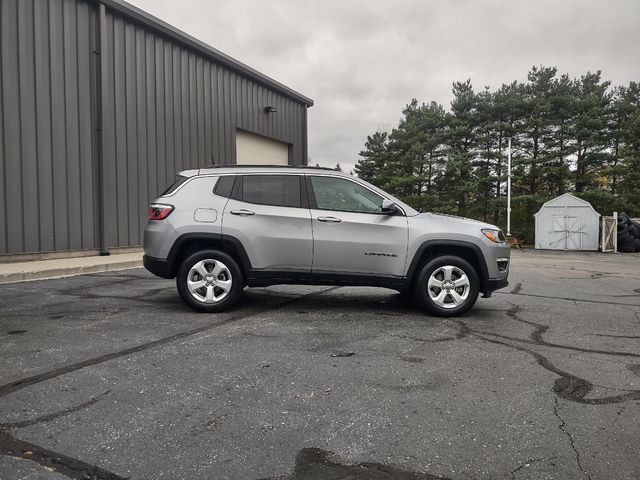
(110, 376)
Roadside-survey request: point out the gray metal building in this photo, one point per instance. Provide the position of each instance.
(100, 105)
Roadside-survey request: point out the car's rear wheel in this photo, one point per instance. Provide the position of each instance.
(447, 286)
(209, 281)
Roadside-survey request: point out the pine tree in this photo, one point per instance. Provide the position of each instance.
(630, 150)
(592, 102)
(568, 134)
(373, 158)
(459, 172)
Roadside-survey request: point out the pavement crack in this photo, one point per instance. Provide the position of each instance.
(568, 386)
(70, 467)
(53, 416)
(564, 430)
(42, 377)
(314, 463)
(614, 336)
(527, 463)
(540, 329)
(560, 346)
(67, 466)
(584, 300)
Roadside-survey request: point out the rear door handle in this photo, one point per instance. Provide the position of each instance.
(243, 212)
(329, 219)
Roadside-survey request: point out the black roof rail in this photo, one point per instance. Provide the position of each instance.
(270, 166)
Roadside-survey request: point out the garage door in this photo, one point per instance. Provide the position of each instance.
(256, 150)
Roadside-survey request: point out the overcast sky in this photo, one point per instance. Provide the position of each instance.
(362, 61)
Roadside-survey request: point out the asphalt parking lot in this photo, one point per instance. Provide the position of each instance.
(110, 376)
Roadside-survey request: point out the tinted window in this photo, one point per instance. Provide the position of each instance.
(224, 186)
(334, 193)
(172, 188)
(279, 190)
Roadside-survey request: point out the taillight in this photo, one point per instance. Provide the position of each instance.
(159, 211)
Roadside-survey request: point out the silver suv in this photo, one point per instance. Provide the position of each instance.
(217, 230)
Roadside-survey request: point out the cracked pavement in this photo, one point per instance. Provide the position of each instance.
(110, 376)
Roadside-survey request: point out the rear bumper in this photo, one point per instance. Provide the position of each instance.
(157, 266)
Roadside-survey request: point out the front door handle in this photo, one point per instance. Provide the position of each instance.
(243, 212)
(329, 219)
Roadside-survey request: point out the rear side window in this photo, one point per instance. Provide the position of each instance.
(224, 186)
(277, 190)
(174, 186)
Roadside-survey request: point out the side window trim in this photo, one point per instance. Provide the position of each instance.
(236, 191)
(311, 196)
(304, 191)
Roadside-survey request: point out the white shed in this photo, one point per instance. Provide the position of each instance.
(567, 223)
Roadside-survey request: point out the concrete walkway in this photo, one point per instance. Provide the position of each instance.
(65, 267)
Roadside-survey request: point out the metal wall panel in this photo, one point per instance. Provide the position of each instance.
(198, 105)
(11, 126)
(3, 176)
(98, 113)
(46, 155)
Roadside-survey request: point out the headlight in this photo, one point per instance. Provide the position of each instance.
(496, 236)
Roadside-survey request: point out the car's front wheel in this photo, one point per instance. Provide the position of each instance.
(447, 286)
(209, 281)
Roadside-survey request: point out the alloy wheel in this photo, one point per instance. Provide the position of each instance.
(209, 281)
(448, 286)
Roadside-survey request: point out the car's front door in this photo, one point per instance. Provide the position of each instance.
(269, 215)
(350, 232)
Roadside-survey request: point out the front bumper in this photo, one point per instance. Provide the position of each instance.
(491, 285)
(157, 266)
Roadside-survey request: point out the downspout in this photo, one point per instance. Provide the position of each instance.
(100, 82)
(305, 140)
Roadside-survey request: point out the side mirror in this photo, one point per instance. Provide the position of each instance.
(388, 207)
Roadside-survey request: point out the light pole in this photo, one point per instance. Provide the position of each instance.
(509, 188)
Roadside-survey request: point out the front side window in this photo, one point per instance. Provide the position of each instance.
(277, 190)
(340, 194)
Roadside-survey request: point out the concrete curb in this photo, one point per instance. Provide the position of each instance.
(47, 269)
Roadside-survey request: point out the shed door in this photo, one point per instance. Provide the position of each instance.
(256, 150)
(566, 232)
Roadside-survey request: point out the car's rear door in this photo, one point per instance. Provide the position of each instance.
(350, 234)
(269, 215)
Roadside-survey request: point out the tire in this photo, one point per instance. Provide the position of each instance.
(627, 246)
(443, 269)
(624, 219)
(634, 230)
(622, 228)
(211, 296)
(625, 237)
(637, 242)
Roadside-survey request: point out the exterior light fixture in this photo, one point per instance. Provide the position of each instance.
(270, 109)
